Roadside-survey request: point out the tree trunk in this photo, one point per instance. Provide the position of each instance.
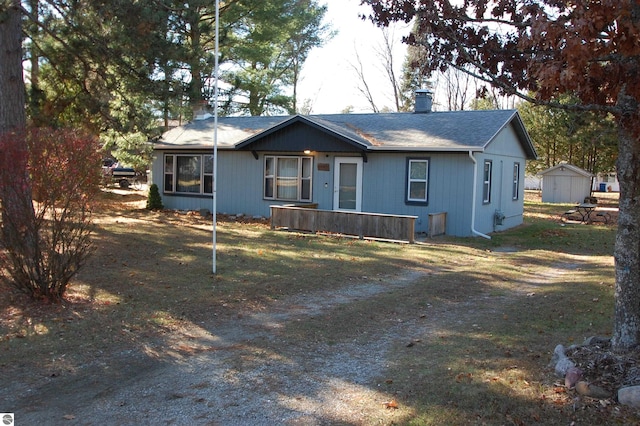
(12, 96)
(36, 95)
(194, 62)
(19, 232)
(626, 332)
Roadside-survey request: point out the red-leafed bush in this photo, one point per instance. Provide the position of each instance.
(48, 180)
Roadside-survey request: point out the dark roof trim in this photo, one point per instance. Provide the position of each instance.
(523, 135)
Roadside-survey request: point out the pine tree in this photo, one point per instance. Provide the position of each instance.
(154, 201)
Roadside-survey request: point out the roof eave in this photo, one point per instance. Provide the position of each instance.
(426, 149)
(530, 149)
(193, 147)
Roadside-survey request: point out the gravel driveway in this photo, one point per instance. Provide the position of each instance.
(241, 370)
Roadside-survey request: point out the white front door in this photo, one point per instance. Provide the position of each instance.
(347, 184)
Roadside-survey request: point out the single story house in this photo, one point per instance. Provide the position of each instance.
(565, 183)
(606, 182)
(469, 164)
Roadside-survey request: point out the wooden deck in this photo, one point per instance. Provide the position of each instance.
(362, 225)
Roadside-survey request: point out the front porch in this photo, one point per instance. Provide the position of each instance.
(360, 224)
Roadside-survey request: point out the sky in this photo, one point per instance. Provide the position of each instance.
(328, 79)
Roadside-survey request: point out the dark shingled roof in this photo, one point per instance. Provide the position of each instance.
(434, 131)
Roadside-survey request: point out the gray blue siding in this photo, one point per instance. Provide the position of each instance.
(504, 154)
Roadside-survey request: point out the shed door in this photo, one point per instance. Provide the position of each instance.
(347, 184)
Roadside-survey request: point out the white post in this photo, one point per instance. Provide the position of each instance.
(215, 136)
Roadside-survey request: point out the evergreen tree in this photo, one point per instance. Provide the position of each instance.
(154, 201)
(268, 43)
(582, 138)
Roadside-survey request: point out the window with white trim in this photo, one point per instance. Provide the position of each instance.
(288, 178)
(515, 193)
(188, 174)
(486, 182)
(417, 180)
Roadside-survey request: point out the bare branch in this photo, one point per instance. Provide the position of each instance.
(363, 86)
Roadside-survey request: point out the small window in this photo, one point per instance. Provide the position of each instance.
(486, 182)
(188, 174)
(207, 174)
(515, 193)
(269, 177)
(417, 180)
(288, 178)
(168, 173)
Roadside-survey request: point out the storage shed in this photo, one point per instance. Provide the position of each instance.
(565, 183)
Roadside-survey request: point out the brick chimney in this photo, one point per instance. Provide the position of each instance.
(200, 110)
(424, 101)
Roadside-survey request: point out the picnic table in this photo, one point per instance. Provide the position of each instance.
(585, 210)
(606, 213)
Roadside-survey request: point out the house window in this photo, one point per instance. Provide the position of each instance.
(417, 180)
(287, 178)
(486, 182)
(168, 173)
(188, 174)
(515, 192)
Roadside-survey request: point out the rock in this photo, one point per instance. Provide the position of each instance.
(205, 212)
(571, 378)
(629, 395)
(586, 389)
(563, 365)
(596, 341)
(560, 362)
(558, 354)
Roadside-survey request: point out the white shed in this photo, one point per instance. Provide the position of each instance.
(565, 183)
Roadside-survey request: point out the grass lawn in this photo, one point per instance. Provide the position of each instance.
(483, 316)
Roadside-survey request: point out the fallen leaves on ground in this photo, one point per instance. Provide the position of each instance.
(393, 404)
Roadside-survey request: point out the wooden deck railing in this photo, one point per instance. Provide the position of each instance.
(371, 225)
(437, 224)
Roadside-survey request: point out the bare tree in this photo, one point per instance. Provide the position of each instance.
(455, 88)
(363, 85)
(385, 53)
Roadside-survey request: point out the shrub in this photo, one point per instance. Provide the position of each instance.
(154, 201)
(48, 180)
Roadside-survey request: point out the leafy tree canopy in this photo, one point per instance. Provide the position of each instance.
(121, 65)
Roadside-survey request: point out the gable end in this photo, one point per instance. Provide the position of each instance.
(297, 135)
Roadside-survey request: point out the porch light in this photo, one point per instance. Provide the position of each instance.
(307, 151)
